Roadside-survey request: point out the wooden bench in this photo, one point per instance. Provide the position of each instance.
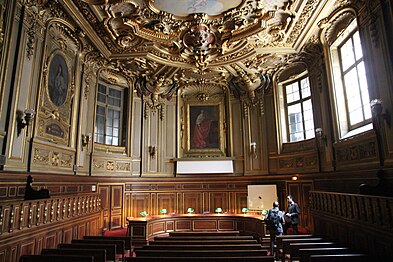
(200, 253)
(55, 258)
(305, 253)
(99, 255)
(286, 242)
(340, 258)
(109, 248)
(127, 240)
(280, 238)
(204, 259)
(176, 238)
(204, 242)
(205, 233)
(202, 247)
(294, 247)
(119, 244)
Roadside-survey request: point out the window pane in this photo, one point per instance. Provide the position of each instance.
(356, 116)
(358, 46)
(115, 141)
(114, 93)
(101, 97)
(101, 110)
(100, 139)
(109, 131)
(347, 55)
(292, 92)
(110, 101)
(305, 87)
(101, 89)
(108, 140)
(115, 132)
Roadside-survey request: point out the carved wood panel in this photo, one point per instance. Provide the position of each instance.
(193, 200)
(218, 199)
(167, 201)
(139, 203)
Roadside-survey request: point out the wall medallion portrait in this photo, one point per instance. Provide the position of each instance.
(58, 80)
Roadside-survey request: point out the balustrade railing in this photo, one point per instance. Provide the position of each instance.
(363, 209)
(19, 215)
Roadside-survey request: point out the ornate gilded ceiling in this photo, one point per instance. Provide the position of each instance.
(199, 41)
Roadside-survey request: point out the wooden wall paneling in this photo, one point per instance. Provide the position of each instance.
(193, 200)
(127, 207)
(180, 203)
(51, 240)
(67, 235)
(104, 192)
(116, 208)
(13, 253)
(307, 220)
(3, 254)
(27, 247)
(240, 201)
(153, 203)
(218, 199)
(40, 244)
(167, 201)
(140, 202)
(81, 230)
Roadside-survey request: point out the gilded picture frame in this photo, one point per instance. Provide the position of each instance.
(204, 129)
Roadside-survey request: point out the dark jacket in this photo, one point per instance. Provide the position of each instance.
(294, 210)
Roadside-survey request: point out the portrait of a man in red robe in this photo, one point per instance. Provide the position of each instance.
(204, 127)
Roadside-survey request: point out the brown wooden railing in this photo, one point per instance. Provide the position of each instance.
(371, 210)
(361, 221)
(28, 226)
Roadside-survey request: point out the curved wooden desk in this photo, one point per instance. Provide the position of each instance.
(141, 230)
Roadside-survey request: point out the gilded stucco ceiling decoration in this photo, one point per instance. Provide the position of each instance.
(191, 40)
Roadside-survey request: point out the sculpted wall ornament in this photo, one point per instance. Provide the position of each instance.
(2, 27)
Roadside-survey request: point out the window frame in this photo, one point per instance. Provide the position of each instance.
(349, 36)
(343, 129)
(107, 107)
(300, 101)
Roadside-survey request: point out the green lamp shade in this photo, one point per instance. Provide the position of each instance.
(143, 213)
(218, 210)
(264, 212)
(190, 210)
(244, 209)
(163, 211)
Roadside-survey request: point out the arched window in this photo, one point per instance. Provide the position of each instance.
(351, 95)
(296, 118)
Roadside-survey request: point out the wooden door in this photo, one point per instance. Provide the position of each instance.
(112, 205)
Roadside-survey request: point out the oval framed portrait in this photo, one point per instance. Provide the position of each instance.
(58, 80)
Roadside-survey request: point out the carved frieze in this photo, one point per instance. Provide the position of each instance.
(44, 157)
(111, 165)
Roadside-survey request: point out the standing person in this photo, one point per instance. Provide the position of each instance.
(292, 216)
(274, 220)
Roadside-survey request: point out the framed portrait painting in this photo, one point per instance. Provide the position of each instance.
(204, 129)
(58, 80)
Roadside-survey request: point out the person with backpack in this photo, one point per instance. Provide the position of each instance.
(274, 220)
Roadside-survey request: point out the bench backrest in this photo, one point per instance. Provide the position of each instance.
(57, 258)
(109, 248)
(200, 253)
(340, 258)
(99, 255)
(119, 243)
(305, 253)
(202, 247)
(127, 240)
(204, 259)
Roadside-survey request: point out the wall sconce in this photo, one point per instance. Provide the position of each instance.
(152, 151)
(253, 149)
(85, 140)
(377, 109)
(322, 138)
(24, 119)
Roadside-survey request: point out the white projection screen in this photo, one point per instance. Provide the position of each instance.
(261, 197)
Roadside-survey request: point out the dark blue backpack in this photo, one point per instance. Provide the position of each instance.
(272, 220)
